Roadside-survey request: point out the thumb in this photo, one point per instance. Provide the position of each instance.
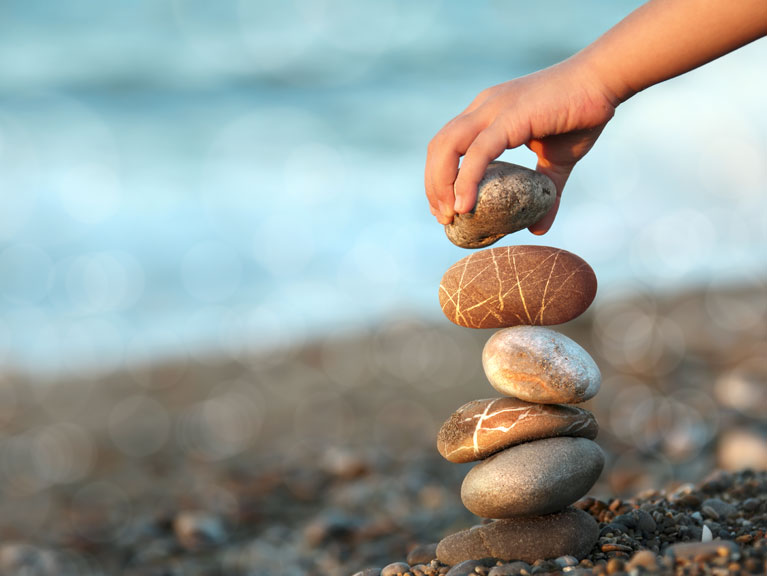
(558, 175)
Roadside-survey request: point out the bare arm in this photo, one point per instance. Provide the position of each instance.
(559, 112)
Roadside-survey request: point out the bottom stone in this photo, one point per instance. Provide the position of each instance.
(570, 532)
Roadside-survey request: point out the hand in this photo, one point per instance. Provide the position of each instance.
(558, 113)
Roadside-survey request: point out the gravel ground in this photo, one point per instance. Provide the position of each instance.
(320, 459)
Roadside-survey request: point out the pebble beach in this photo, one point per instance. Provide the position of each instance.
(321, 459)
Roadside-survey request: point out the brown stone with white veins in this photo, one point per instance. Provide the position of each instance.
(517, 285)
(483, 427)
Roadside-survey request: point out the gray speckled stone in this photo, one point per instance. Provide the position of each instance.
(537, 364)
(571, 532)
(509, 198)
(538, 477)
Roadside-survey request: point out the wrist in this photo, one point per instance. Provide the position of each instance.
(603, 78)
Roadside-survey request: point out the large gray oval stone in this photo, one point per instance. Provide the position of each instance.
(509, 198)
(538, 477)
(570, 532)
(540, 365)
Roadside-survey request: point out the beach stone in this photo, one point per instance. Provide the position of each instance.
(515, 285)
(198, 530)
(511, 569)
(645, 559)
(509, 198)
(422, 554)
(720, 508)
(481, 428)
(538, 477)
(395, 569)
(468, 567)
(690, 550)
(540, 365)
(569, 532)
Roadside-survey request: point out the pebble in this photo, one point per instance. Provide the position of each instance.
(483, 427)
(514, 285)
(740, 448)
(395, 569)
(422, 554)
(511, 569)
(540, 365)
(569, 532)
(691, 550)
(538, 477)
(643, 559)
(636, 519)
(564, 561)
(720, 508)
(468, 566)
(25, 559)
(509, 198)
(197, 530)
(369, 572)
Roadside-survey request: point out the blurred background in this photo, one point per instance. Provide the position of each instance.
(216, 255)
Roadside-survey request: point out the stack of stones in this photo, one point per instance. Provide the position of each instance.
(536, 450)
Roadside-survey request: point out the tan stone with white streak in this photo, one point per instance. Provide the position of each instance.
(482, 427)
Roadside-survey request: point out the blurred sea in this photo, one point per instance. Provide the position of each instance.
(206, 178)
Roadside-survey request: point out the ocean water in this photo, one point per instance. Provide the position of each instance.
(189, 177)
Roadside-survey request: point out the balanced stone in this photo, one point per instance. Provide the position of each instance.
(540, 365)
(509, 198)
(570, 532)
(482, 427)
(538, 477)
(513, 285)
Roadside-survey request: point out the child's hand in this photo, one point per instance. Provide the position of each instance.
(558, 113)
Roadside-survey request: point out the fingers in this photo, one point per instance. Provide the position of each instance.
(442, 159)
(487, 146)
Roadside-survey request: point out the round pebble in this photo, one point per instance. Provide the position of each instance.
(422, 554)
(483, 427)
(468, 567)
(538, 477)
(395, 569)
(197, 530)
(509, 198)
(540, 365)
(570, 532)
(517, 285)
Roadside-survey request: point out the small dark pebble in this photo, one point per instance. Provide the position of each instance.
(751, 504)
(720, 507)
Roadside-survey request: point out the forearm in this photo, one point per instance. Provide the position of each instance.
(665, 38)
